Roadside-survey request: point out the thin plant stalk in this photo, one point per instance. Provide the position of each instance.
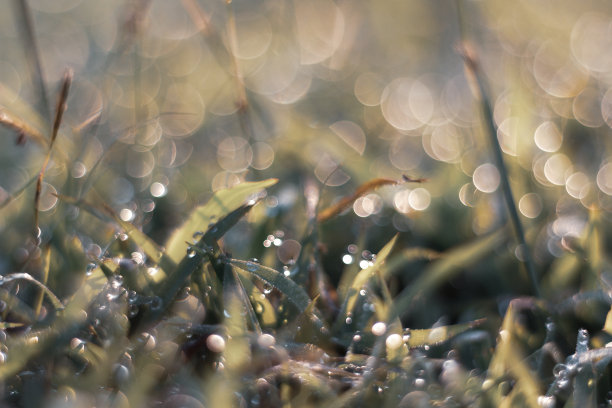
(33, 57)
(474, 73)
(59, 113)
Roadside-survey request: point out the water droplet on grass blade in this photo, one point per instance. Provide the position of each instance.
(394, 341)
(379, 328)
(191, 252)
(266, 340)
(215, 343)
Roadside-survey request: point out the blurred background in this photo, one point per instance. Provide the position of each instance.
(172, 101)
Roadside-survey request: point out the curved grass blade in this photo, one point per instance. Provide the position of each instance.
(286, 286)
(150, 248)
(437, 335)
(361, 279)
(474, 72)
(26, 276)
(68, 324)
(222, 203)
(442, 269)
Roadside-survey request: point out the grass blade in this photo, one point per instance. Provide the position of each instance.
(285, 285)
(26, 276)
(455, 260)
(221, 204)
(59, 113)
(437, 335)
(474, 72)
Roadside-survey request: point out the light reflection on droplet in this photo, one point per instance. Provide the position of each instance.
(288, 251)
(368, 205)
(547, 137)
(234, 154)
(48, 197)
(444, 144)
(224, 180)
(254, 35)
(530, 205)
(379, 328)
(215, 343)
(591, 41)
(266, 340)
(78, 170)
(405, 153)
(556, 167)
(421, 102)
(578, 185)
(327, 172)
(572, 225)
(486, 178)
(556, 72)
(604, 178)
(394, 341)
(139, 164)
(419, 199)
(507, 135)
(157, 189)
(606, 107)
(586, 108)
(368, 89)
(468, 195)
(184, 110)
(263, 155)
(363, 264)
(351, 134)
(126, 214)
(401, 202)
(293, 92)
(347, 259)
(320, 29)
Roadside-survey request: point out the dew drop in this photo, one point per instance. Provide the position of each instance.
(155, 303)
(191, 252)
(379, 328)
(363, 292)
(215, 343)
(348, 320)
(267, 288)
(266, 340)
(90, 268)
(252, 265)
(394, 341)
(547, 401)
(419, 382)
(356, 338)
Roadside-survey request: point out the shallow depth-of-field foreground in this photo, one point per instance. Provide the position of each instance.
(313, 203)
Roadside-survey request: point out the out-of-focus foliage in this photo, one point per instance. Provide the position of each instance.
(271, 203)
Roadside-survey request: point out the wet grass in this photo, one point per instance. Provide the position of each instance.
(297, 284)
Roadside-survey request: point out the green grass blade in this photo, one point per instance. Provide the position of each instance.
(221, 204)
(285, 285)
(441, 270)
(437, 335)
(26, 276)
(473, 68)
(361, 279)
